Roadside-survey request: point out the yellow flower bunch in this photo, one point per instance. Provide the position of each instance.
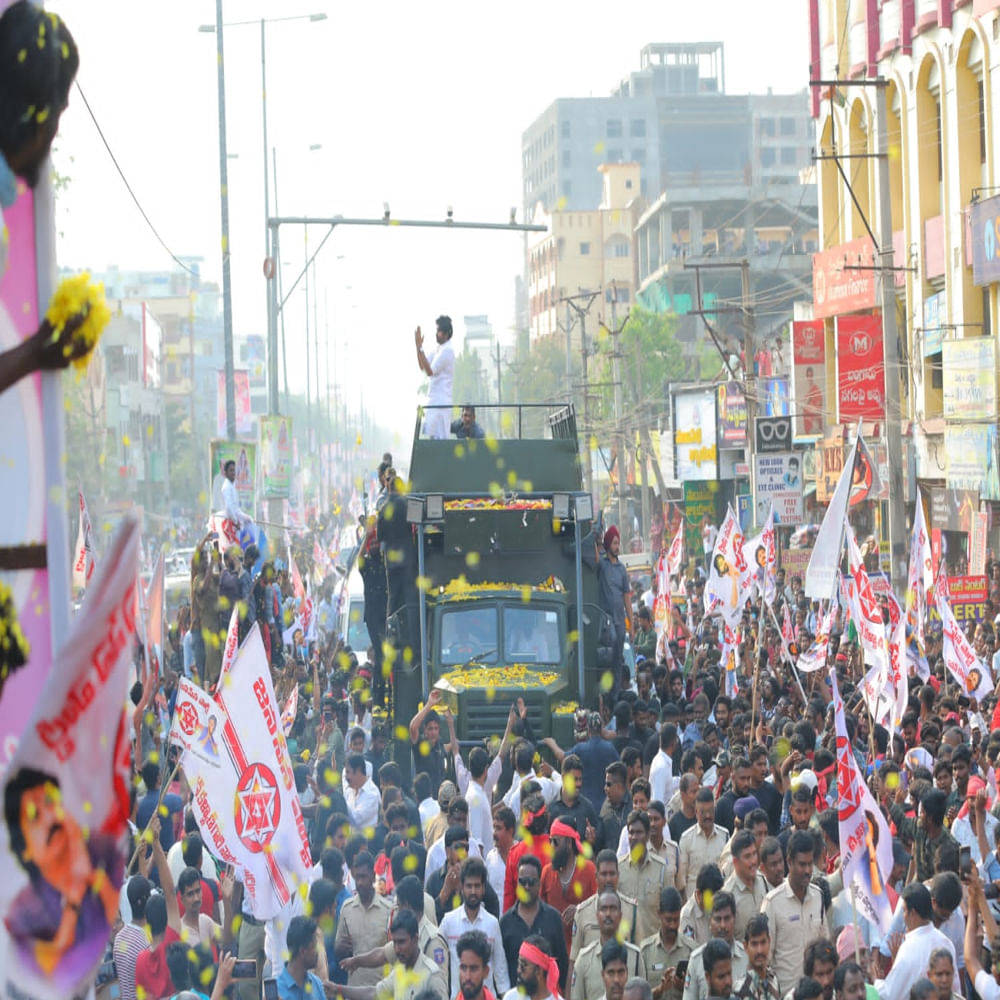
(461, 585)
(565, 708)
(74, 297)
(14, 647)
(519, 675)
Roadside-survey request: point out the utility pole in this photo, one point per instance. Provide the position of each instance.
(573, 303)
(309, 412)
(749, 380)
(616, 355)
(496, 359)
(893, 361)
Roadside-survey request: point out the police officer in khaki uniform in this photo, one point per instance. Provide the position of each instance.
(364, 921)
(723, 919)
(746, 883)
(587, 982)
(664, 951)
(586, 927)
(642, 875)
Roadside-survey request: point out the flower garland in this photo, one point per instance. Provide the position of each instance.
(77, 296)
(489, 503)
(518, 675)
(460, 586)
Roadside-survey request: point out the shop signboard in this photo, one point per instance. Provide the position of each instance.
(779, 482)
(969, 378)
(809, 377)
(694, 434)
(732, 411)
(986, 241)
(844, 279)
(860, 369)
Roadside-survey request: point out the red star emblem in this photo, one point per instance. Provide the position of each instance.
(258, 807)
(187, 715)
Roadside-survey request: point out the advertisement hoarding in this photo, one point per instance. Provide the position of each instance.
(244, 454)
(732, 414)
(968, 370)
(779, 482)
(985, 225)
(275, 457)
(844, 279)
(860, 369)
(809, 377)
(694, 434)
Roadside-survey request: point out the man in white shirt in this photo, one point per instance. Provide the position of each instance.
(922, 937)
(361, 795)
(524, 770)
(472, 916)
(440, 366)
(230, 498)
(661, 770)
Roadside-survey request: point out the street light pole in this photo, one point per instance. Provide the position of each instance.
(272, 369)
(227, 292)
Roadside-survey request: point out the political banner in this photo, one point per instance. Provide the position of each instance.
(821, 574)
(814, 658)
(920, 575)
(809, 378)
(244, 420)
(829, 467)
(66, 794)
(699, 500)
(244, 454)
(973, 675)
(275, 457)
(231, 648)
(969, 379)
(83, 558)
(195, 727)
(728, 586)
(731, 408)
(264, 834)
(779, 486)
(676, 551)
(290, 711)
(865, 840)
(860, 368)
(866, 615)
(730, 651)
(759, 553)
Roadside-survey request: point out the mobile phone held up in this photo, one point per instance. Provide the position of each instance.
(245, 968)
(965, 862)
(270, 989)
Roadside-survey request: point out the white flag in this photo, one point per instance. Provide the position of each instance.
(247, 807)
(67, 789)
(920, 578)
(195, 727)
(866, 615)
(814, 658)
(972, 674)
(728, 587)
(676, 551)
(821, 573)
(865, 841)
(760, 555)
(153, 632)
(231, 648)
(84, 562)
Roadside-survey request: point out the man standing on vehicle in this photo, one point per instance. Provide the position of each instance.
(614, 595)
(440, 366)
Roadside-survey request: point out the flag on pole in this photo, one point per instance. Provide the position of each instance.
(973, 675)
(821, 573)
(760, 555)
(231, 648)
(730, 650)
(675, 553)
(661, 603)
(865, 841)
(866, 614)
(920, 578)
(195, 726)
(153, 638)
(246, 805)
(728, 587)
(290, 711)
(66, 791)
(84, 562)
(814, 658)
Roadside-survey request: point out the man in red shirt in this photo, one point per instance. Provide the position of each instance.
(569, 878)
(534, 840)
(152, 977)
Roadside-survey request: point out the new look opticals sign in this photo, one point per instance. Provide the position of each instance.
(986, 241)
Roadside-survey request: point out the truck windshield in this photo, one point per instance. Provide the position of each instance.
(531, 636)
(468, 634)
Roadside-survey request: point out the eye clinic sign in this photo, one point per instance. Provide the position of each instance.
(773, 434)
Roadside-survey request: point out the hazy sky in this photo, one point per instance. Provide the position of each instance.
(420, 105)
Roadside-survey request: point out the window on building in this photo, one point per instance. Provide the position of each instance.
(789, 154)
(982, 122)
(767, 126)
(639, 155)
(614, 128)
(614, 156)
(767, 157)
(628, 183)
(565, 129)
(937, 376)
(561, 247)
(584, 249)
(567, 188)
(567, 158)
(787, 126)
(637, 128)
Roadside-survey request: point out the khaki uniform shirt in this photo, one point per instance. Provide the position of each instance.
(747, 901)
(588, 983)
(696, 850)
(643, 883)
(793, 925)
(694, 923)
(586, 929)
(695, 983)
(365, 929)
(658, 959)
(432, 945)
(405, 984)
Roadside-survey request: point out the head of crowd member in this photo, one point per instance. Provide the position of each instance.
(397, 819)
(332, 865)
(474, 952)
(923, 989)
(323, 905)
(638, 988)
(941, 972)
(638, 834)
(607, 869)
(456, 845)
(615, 777)
(918, 908)
(669, 911)
(946, 893)
(529, 877)
(609, 913)
(760, 764)
(757, 942)
(675, 682)
(472, 880)
(800, 809)
(614, 969)
(961, 764)
(704, 810)
(572, 778)
(300, 941)
(443, 329)
(707, 884)
(808, 989)
(723, 922)
(405, 934)
(745, 858)
(524, 758)
(534, 816)
(657, 821)
(363, 873)
(717, 962)
(410, 895)
(535, 968)
(849, 981)
(356, 741)
(641, 793)
(179, 966)
(632, 759)
(355, 772)
(700, 706)
(692, 763)
(799, 857)
(565, 842)
(819, 962)
(741, 777)
(458, 812)
(504, 827)
(432, 728)
(942, 776)
(422, 787)
(933, 806)
(338, 829)
(189, 886)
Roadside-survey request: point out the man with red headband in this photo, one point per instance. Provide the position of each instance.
(614, 595)
(568, 879)
(537, 972)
